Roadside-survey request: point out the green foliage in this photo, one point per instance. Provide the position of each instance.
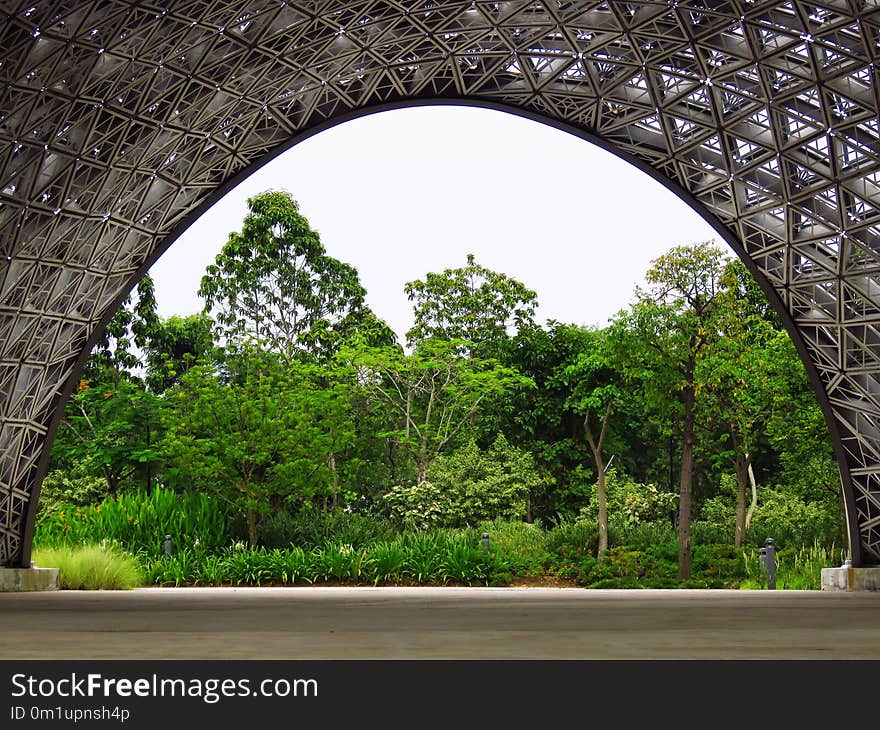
(139, 522)
(310, 528)
(713, 566)
(111, 429)
(388, 561)
(791, 521)
(91, 567)
(343, 548)
(630, 503)
(431, 395)
(274, 284)
(467, 486)
(464, 563)
(114, 356)
(645, 534)
(568, 542)
(521, 546)
(62, 489)
(797, 568)
(175, 345)
(471, 303)
(264, 436)
(540, 418)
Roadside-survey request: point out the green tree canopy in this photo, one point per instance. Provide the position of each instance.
(431, 395)
(260, 436)
(273, 282)
(470, 303)
(174, 346)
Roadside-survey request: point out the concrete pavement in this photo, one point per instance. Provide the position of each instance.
(439, 623)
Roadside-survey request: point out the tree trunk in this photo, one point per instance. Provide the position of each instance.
(331, 462)
(686, 486)
(754, 503)
(742, 469)
(252, 527)
(601, 497)
(422, 463)
(603, 510)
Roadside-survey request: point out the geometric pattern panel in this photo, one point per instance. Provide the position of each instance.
(121, 121)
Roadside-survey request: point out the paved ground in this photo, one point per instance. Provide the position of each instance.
(439, 623)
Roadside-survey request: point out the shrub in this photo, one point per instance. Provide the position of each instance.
(521, 545)
(791, 521)
(630, 502)
(463, 562)
(468, 486)
(310, 528)
(61, 488)
(387, 560)
(139, 522)
(568, 541)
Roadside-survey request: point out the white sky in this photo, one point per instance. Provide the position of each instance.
(401, 193)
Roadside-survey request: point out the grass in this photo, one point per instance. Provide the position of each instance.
(91, 567)
(797, 569)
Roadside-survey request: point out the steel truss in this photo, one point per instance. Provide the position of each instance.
(122, 121)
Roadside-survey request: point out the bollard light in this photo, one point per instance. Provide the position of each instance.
(768, 559)
(486, 541)
(168, 544)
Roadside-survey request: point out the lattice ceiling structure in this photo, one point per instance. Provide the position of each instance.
(121, 122)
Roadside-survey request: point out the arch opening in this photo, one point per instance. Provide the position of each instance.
(118, 135)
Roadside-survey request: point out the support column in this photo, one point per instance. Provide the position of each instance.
(19, 580)
(847, 578)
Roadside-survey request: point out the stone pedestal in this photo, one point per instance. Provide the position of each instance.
(847, 578)
(15, 580)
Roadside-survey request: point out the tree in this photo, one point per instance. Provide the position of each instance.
(595, 379)
(539, 417)
(256, 439)
(673, 324)
(431, 395)
(741, 378)
(174, 346)
(273, 283)
(111, 423)
(111, 429)
(470, 303)
(131, 327)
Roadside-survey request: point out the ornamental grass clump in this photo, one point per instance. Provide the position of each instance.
(91, 567)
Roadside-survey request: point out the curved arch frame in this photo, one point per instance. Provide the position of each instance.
(861, 531)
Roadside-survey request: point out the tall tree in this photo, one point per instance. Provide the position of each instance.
(741, 380)
(469, 303)
(674, 323)
(596, 382)
(273, 283)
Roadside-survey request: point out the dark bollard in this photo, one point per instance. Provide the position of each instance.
(768, 559)
(486, 541)
(168, 544)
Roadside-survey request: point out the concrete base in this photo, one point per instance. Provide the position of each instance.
(847, 578)
(17, 580)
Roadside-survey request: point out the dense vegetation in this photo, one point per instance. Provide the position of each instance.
(283, 435)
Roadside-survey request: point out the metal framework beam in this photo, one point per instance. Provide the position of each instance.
(121, 121)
